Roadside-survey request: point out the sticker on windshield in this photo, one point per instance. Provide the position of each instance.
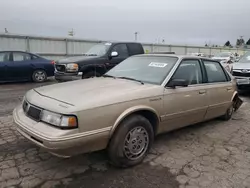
(108, 43)
(160, 65)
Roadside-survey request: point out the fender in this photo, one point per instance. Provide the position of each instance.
(129, 111)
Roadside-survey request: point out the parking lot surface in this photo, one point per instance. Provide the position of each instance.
(214, 154)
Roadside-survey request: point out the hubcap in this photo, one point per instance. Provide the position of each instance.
(136, 143)
(40, 76)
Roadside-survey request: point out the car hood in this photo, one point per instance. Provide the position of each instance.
(241, 65)
(76, 59)
(94, 92)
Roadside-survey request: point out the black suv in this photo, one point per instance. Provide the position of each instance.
(97, 61)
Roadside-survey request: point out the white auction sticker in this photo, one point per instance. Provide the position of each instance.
(155, 64)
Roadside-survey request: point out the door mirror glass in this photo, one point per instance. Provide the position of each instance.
(178, 82)
(114, 54)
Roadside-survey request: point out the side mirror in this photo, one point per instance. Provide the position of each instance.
(114, 54)
(177, 82)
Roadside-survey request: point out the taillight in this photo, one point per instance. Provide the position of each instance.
(53, 62)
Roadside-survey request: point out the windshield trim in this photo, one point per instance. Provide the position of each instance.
(172, 71)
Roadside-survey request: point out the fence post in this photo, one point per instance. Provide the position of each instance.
(27, 39)
(66, 47)
(170, 48)
(152, 47)
(185, 47)
(210, 51)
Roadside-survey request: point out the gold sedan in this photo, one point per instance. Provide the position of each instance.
(126, 108)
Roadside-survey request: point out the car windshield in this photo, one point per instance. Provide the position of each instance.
(148, 69)
(99, 49)
(245, 58)
(224, 54)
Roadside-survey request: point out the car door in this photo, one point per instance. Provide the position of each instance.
(219, 89)
(123, 53)
(4, 60)
(185, 105)
(21, 66)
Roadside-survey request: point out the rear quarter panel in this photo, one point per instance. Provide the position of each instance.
(44, 64)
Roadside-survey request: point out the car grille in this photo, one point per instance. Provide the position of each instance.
(241, 74)
(60, 68)
(31, 111)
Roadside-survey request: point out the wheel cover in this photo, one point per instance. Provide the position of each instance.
(136, 143)
(40, 76)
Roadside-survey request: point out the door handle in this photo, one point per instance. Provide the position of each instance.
(202, 91)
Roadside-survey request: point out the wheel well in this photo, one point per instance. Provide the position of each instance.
(152, 118)
(235, 97)
(100, 70)
(149, 115)
(37, 69)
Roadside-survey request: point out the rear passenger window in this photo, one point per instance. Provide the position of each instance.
(18, 56)
(215, 73)
(135, 49)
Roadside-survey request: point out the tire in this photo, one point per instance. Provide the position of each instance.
(90, 74)
(118, 150)
(39, 76)
(229, 113)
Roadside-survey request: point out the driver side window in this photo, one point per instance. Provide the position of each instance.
(190, 71)
(121, 49)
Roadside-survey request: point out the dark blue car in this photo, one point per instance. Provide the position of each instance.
(23, 66)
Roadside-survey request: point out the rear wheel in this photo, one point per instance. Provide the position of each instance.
(131, 141)
(39, 76)
(229, 113)
(90, 74)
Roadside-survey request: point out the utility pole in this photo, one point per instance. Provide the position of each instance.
(71, 33)
(136, 33)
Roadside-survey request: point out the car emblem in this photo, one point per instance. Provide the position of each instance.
(244, 70)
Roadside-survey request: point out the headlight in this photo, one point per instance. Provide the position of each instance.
(72, 67)
(59, 120)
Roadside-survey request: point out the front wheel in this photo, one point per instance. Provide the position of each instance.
(131, 141)
(90, 74)
(39, 76)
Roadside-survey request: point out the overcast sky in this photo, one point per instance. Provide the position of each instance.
(175, 21)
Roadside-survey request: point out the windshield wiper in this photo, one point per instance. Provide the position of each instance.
(108, 76)
(127, 78)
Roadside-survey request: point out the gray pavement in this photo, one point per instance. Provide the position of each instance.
(214, 154)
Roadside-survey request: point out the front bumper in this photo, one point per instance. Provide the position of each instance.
(62, 76)
(243, 83)
(62, 143)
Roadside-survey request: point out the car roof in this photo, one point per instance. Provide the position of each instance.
(174, 55)
(16, 51)
(121, 42)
